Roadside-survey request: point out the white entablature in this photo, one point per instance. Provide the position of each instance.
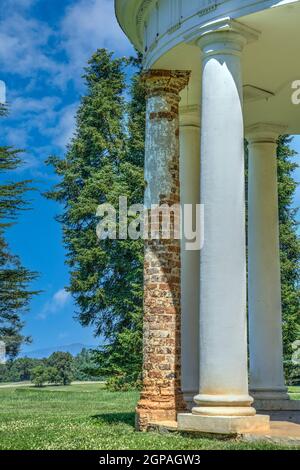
(166, 31)
(161, 24)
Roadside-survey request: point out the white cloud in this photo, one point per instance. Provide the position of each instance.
(21, 106)
(16, 137)
(55, 305)
(47, 60)
(29, 46)
(65, 128)
(60, 298)
(89, 25)
(54, 123)
(30, 115)
(24, 45)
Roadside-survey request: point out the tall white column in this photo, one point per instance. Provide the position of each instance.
(265, 317)
(190, 260)
(223, 404)
(223, 328)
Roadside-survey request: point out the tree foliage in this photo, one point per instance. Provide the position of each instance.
(85, 367)
(15, 279)
(289, 249)
(105, 161)
(80, 367)
(39, 376)
(60, 368)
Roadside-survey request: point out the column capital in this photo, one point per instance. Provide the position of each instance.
(159, 82)
(264, 132)
(227, 34)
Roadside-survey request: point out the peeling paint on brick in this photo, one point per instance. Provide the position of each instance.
(161, 398)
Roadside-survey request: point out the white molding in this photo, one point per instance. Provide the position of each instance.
(161, 38)
(141, 17)
(220, 25)
(254, 93)
(264, 132)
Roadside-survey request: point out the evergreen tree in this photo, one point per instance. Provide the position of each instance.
(289, 249)
(104, 162)
(121, 360)
(85, 367)
(14, 278)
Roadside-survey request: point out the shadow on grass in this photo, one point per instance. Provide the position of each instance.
(115, 418)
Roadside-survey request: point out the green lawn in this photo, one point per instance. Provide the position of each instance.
(294, 393)
(86, 417)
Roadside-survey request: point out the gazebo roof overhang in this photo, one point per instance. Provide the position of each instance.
(166, 33)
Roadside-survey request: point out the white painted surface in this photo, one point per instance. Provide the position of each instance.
(173, 47)
(157, 26)
(223, 330)
(265, 318)
(190, 260)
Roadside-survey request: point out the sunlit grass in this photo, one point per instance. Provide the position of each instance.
(87, 417)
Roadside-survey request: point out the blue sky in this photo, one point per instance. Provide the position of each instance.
(44, 46)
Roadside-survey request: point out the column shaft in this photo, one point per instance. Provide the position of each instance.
(161, 397)
(223, 329)
(265, 318)
(190, 260)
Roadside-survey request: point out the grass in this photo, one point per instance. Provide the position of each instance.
(294, 393)
(88, 417)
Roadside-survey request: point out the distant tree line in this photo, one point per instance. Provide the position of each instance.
(60, 368)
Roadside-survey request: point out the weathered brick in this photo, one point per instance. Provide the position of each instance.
(161, 398)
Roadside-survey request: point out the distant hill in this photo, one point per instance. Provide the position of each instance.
(73, 349)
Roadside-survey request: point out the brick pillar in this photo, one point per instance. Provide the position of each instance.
(161, 398)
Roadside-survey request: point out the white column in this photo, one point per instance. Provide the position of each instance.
(223, 328)
(190, 260)
(265, 317)
(223, 404)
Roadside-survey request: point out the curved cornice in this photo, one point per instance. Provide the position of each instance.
(133, 15)
(141, 15)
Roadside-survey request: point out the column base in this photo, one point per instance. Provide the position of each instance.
(280, 393)
(144, 419)
(223, 405)
(277, 405)
(274, 400)
(238, 411)
(224, 425)
(158, 409)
